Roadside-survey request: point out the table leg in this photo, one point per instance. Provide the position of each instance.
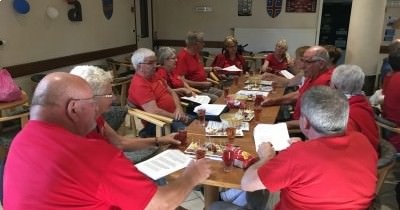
(211, 194)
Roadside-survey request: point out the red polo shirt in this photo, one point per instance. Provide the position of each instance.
(172, 79)
(323, 79)
(391, 110)
(276, 65)
(142, 91)
(190, 66)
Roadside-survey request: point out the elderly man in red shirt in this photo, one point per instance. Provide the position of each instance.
(335, 169)
(150, 93)
(315, 61)
(190, 66)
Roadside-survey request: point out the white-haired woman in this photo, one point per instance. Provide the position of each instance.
(350, 79)
(278, 60)
(100, 82)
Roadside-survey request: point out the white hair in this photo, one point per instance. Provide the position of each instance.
(97, 78)
(348, 78)
(139, 55)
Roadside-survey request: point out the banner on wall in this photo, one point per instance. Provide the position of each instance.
(108, 8)
(301, 5)
(274, 7)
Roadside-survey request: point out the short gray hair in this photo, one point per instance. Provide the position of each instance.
(139, 55)
(164, 53)
(193, 37)
(326, 109)
(348, 78)
(321, 54)
(97, 78)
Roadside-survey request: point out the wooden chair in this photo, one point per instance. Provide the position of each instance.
(120, 88)
(115, 66)
(162, 123)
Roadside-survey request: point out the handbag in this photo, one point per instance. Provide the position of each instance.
(9, 90)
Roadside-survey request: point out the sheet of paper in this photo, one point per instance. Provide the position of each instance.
(251, 93)
(232, 68)
(164, 163)
(200, 99)
(211, 109)
(276, 134)
(286, 74)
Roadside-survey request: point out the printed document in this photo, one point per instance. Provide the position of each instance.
(276, 134)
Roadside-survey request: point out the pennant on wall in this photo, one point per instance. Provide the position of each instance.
(274, 7)
(108, 8)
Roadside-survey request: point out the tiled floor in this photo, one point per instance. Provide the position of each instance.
(195, 201)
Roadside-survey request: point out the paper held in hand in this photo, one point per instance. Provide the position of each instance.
(286, 74)
(231, 68)
(276, 134)
(200, 99)
(164, 163)
(211, 109)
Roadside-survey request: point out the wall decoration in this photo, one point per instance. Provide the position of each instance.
(52, 12)
(274, 7)
(107, 8)
(75, 14)
(301, 5)
(21, 6)
(245, 7)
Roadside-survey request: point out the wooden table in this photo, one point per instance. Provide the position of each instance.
(218, 177)
(11, 105)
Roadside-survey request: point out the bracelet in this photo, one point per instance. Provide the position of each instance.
(156, 142)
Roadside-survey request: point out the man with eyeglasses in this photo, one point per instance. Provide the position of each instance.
(150, 93)
(315, 63)
(52, 165)
(191, 68)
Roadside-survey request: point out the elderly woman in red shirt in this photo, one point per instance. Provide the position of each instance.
(278, 60)
(229, 56)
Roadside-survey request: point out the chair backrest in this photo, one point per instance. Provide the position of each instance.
(386, 161)
(120, 88)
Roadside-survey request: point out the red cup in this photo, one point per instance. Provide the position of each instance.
(226, 91)
(257, 113)
(228, 158)
(258, 100)
(231, 133)
(182, 136)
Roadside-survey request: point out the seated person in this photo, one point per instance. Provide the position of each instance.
(315, 61)
(297, 70)
(52, 165)
(150, 93)
(335, 169)
(100, 82)
(189, 65)
(278, 60)
(229, 56)
(167, 60)
(335, 54)
(349, 79)
(390, 106)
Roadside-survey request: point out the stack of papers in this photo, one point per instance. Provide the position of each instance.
(232, 68)
(286, 74)
(163, 164)
(211, 109)
(251, 93)
(200, 99)
(276, 134)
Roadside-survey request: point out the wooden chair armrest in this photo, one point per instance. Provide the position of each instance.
(197, 91)
(147, 118)
(213, 81)
(387, 127)
(214, 77)
(184, 104)
(156, 116)
(24, 118)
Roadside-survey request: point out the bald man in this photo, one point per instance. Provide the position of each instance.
(51, 165)
(316, 72)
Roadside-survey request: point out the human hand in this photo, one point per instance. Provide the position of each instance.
(169, 139)
(187, 92)
(268, 102)
(266, 151)
(197, 171)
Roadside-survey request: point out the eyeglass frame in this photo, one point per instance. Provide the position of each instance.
(312, 60)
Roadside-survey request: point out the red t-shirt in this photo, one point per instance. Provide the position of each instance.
(142, 91)
(49, 167)
(172, 79)
(323, 79)
(325, 173)
(390, 109)
(362, 119)
(223, 61)
(190, 66)
(98, 132)
(276, 65)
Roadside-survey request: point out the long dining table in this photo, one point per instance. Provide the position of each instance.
(218, 178)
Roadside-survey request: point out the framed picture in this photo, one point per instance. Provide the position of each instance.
(301, 5)
(245, 7)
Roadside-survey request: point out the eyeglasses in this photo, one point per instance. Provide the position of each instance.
(87, 100)
(152, 63)
(104, 96)
(312, 60)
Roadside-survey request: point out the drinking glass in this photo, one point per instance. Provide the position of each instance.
(257, 113)
(228, 157)
(202, 116)
(201, 152)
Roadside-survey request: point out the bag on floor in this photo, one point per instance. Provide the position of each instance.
(9, 90)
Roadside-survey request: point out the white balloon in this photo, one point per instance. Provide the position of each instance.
(52, 12)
